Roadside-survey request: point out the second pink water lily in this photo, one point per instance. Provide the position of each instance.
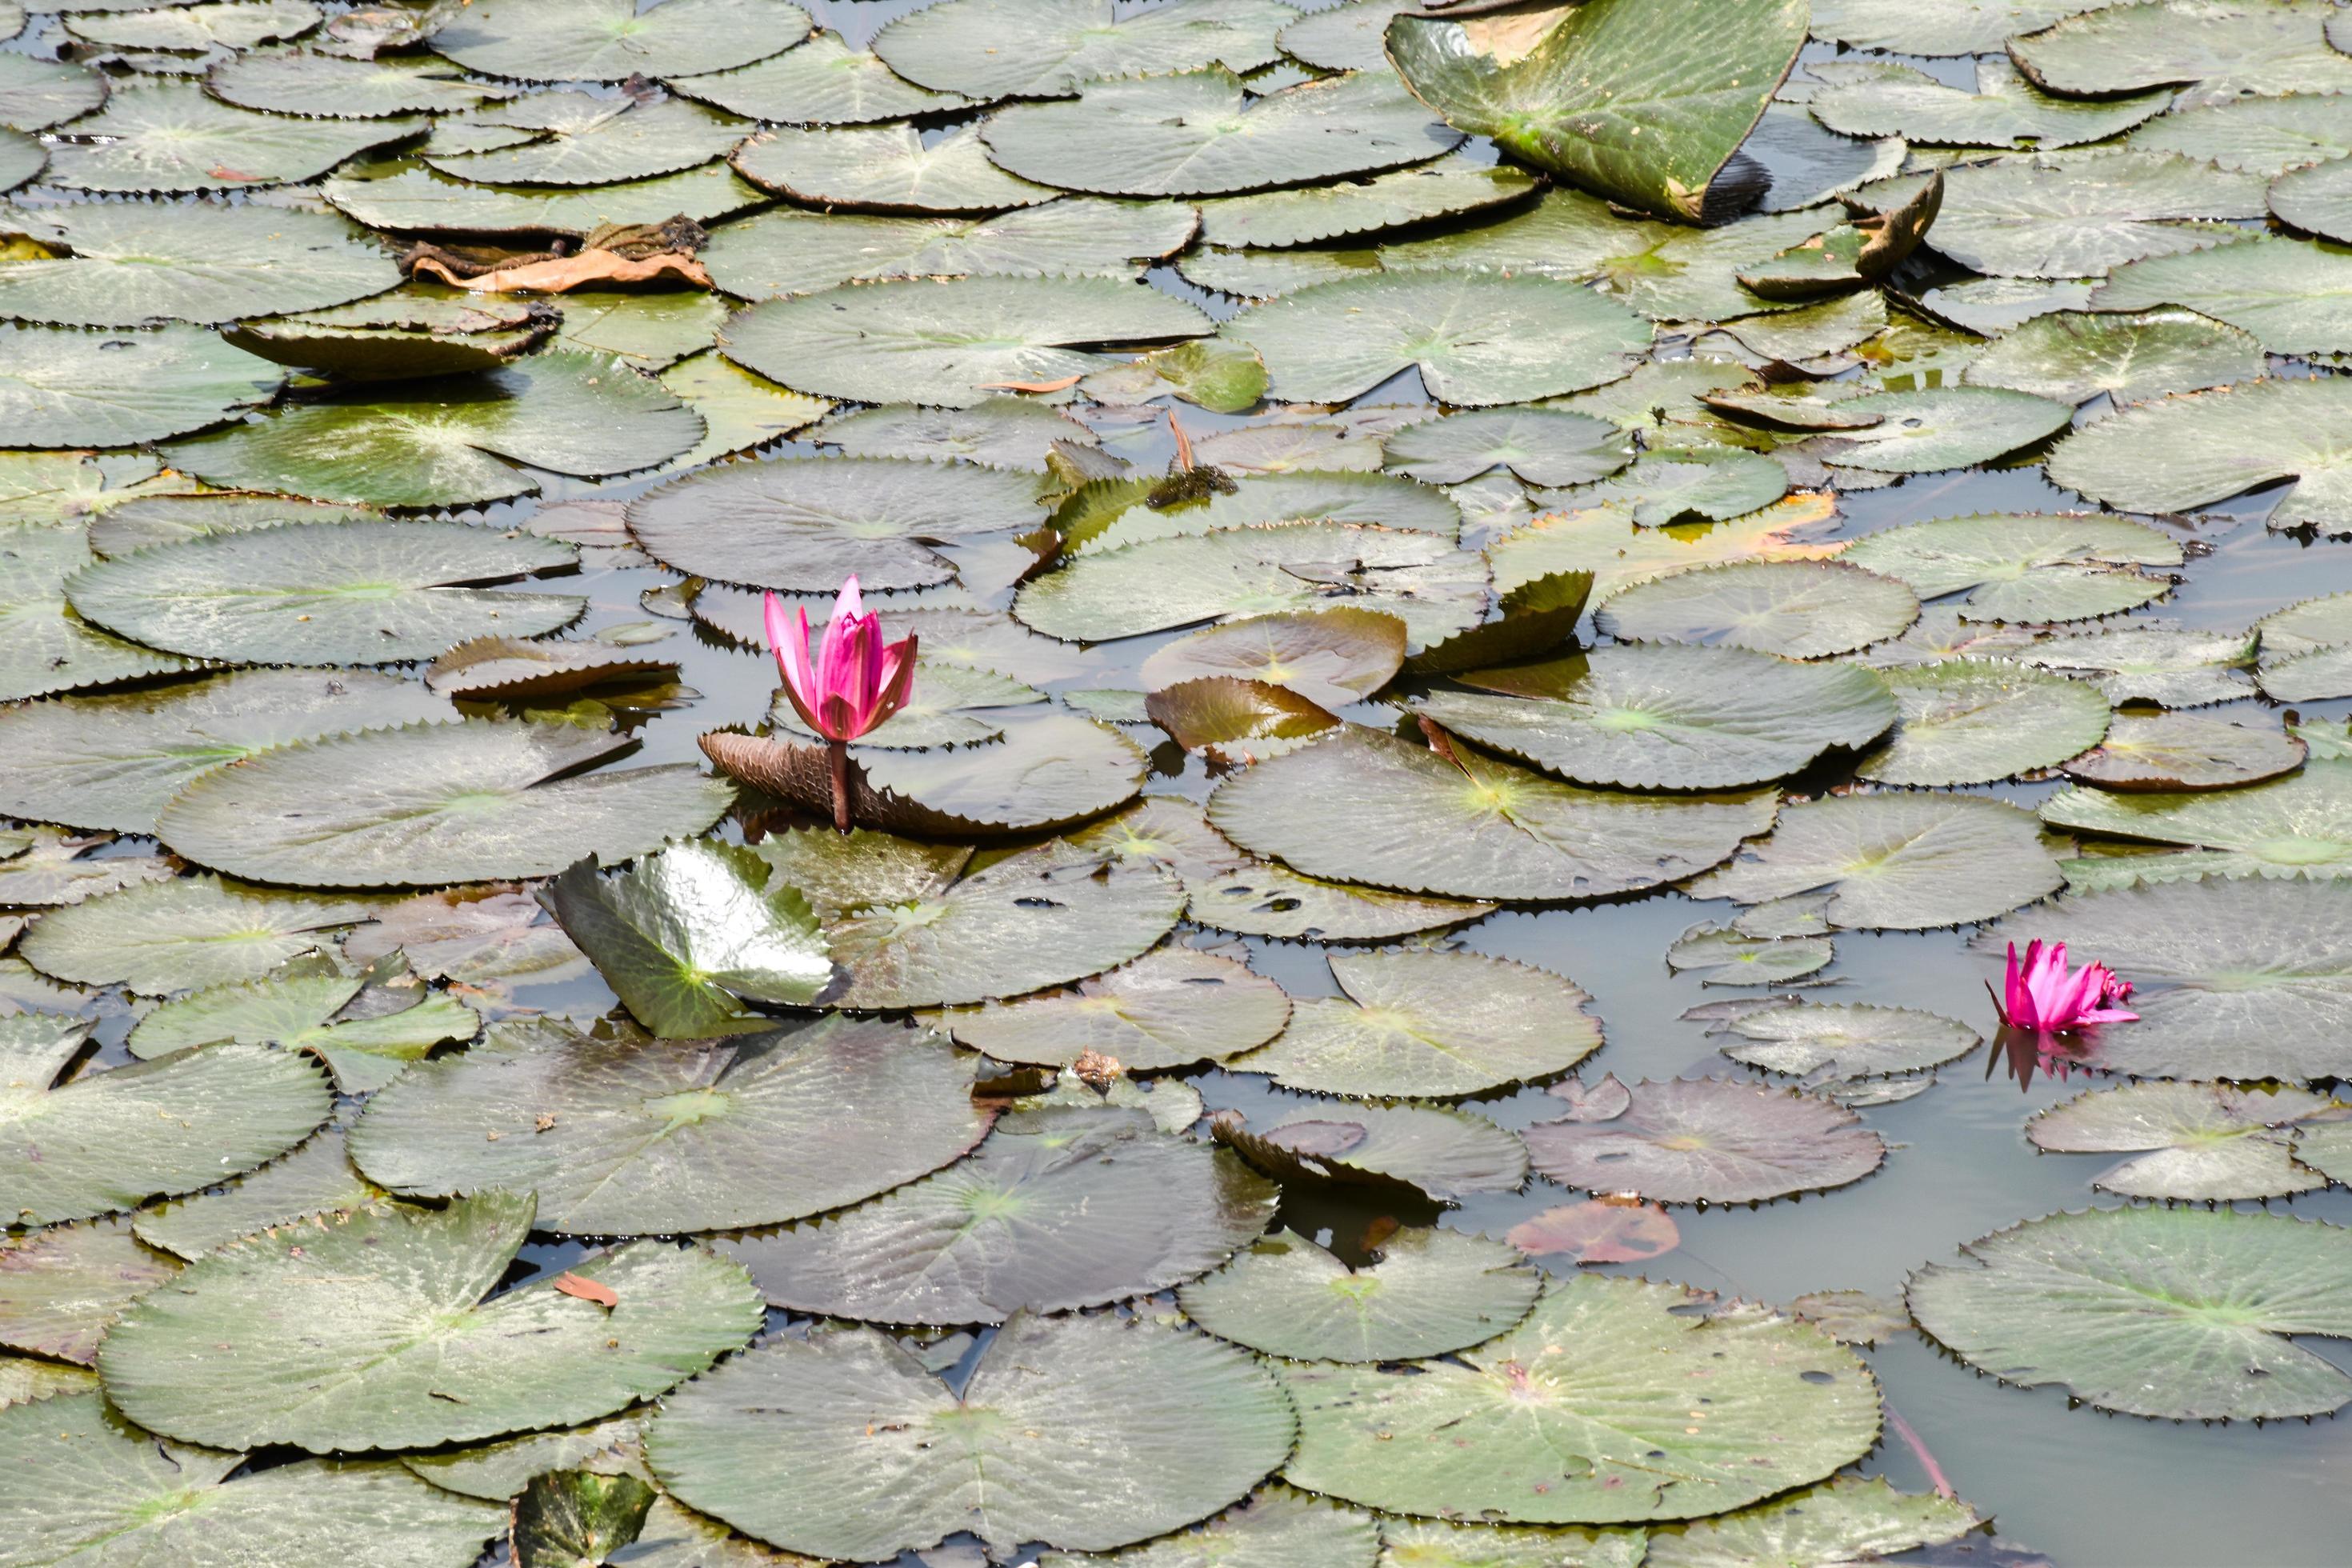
(2039, 994)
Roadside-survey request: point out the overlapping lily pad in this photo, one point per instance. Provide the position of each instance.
(1684, 1141)
(1307, 215)
(1430, 1292)
(400, 335)
(1541, 446)
(44, 646)
(1851, 1039)
(1172, 1008)
(610, 40)
(2005, 109)
(1331, 656)
(231, 24)
(1682, 484)
(1799, 609)
(1013, 48)
(1112, 512)
(61, 1288)
(1956, 27)
(2287, 292)
(418, 199)
(1969, 721)
(2216, 1141)
(1409, 1153)
(67, 388)
(579, 139)
(1846, 1519)
(310, 82)
(2219, 52)
(365, 1033)
(315, 1178)
(2195, 448)
(36, 94)
(168, 136)
(2266, 135)
(2186, 752)
(1301, 1530)
(2072, 357)
(1940, 428)
(1617, 552)
(886, 169)
(822, 81)
(2297, 826)
(788, 252)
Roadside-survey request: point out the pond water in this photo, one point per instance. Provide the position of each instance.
(2059, 1479)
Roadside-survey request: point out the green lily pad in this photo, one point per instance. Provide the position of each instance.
(823, 81)
(574, 138)
(2317, 200)
(1970, 722)
(1656, 136)
(879, 1456)
(48, 869)
(1707, 1141)
(1819, 336)
(1264, 274)
(161, 135)
(1605, 1360)
(1798, 609)
(2071, 357)
(1307, 215)
(1114, 512)
(577, 1516)
(609, 40)
(2077, 214)
(1541, 446)
(1057, 1209)
(36, 94)
(2265, 136)
(400, 335)
(233, 24)
(1363, 805)
(945, 343)
(2194, 448)
(134, 524)
(1896, 862)
(1222, 377)
(1853, 1040)
(185, 935)
(1956, 27)
(21, 158)
(60, 1288)
(44, 646)
(2174, 1312)
(1430, 1024)
(996, 433)
(1274, 1527)
(1681, 484)
(26, 1380)
(109, 1140)
(1941, 427)
(1731, 957)
(316, 1177)
(1430, 1291)
(96, 1485)
(674, 1135)
(788, 252)
(2024, 566)
(1014, 49)
(802, 523)
(2290, 293)
(329, 592)
(2213, 1141)
(508, 668)
(2242, 978)
(430, 804)
(2221, 53)
(2005, 109)
(1846, 1519)
(389, 1300)
(649, 331)
(123, 264)
(741, 410)
(416, 199)
(2172, 666)
(483, 935)
(1198, 133)
(304, 81)
(362, 1032)
(2296, 826)
(2186, 752)
(69, 389)
(1658, 716)
(1470, 335)
(1333, 657)
(1172, 1008)
(1417, 1153)
(886, 169)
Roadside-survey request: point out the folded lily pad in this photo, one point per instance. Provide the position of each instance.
(886, 169)
(1430, 1292)
(2005, 109)
(61, 1288)
(1707, 1141)
(390, 1300)
(400, 335)
(414, 198)
(788, 252)
(2296, 826)
(316, 1177)
(2288, 292)
(310, 82)
(364, 1033)
(2219, 52)
(610, 40)
(1415, 1153)
(574, 138)
(2186, 752)
(2215, 1141)
(185, 935)
(1798, 609)
(46, 646)
(1308, 214)
(822, 81)
(1970, 722)
(2175, 1312)
(1172, 1008)
(508, 668)
(2072, 357)
(1853, 1040)
(2024, 566)
(67, 388)
(161, 135)
(431, 804)
(2197, 447)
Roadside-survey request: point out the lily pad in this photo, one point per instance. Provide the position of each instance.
(50, 870)
(2171, 1312)
(362, 1032)
(185, 935)
(2024, 566)
(1853, 1040)
(741, 410)
(1970, 722)
(1113, 512)
(1414, 1153)
(1956, 27)
(2317, 200)
(508, 668)
(1222, 377)
(161, 135)
(232, 24)
(2071, 357)
(307, 81)
(1617, 552)
(429, 803)
(316, 1177)
(36, 94)
(21, 158)
(823, 81)
(333, 593)
(997, 433)
(649, 331)
(1896, 862)
(2194, 448)
(44, 646)
(1941, 427)
(1681, 484)
(2215, 1141)
(1586, 94)
(1541, 446)
(2186, 752)
(2077, 214)
(1274, 1527)
(1172, 1008)
(2265, 136)
(610, 40)
(417, 199)
(60, 1288)
(1732, 957)
(2289, 293)
(1333, 657)
(2296, 826)
(400, 335)
(2169, 665)
(574, 138)
(389, 1304)
(1685, 1141)
(1798, 609)
(2005, 109)
(2219, 52)
(1233, 722)
(1846, 1519)
(1309, 213)
(788, 252)
(1476, 339)
(1196, 133)
(886, 169)
(1430, 1024)
(67, 388)
(1787, 1405)
(1430, 1291)
(1016, 49)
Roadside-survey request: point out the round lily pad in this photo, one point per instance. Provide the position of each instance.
(161, 135)
(1941, 427)
(1684, 1141)
(886, 169)
(2287, 292)
(1659, 716)
(2076, 215)
(2186, 752)
(788, 252)
(36, 94)
(389, 1302)
(413, 197)
(1976, 720)
(306, 81)
(1682, 484)
(674, 1135)
(1013, 48)
(2024, 566)
(2072, 356)
(227, 24)
(2176, 1312)
(842, 1444)
(185, 934)
(44, 646)
(1305, 214)
(1057, 1209)
(2221, 54)
(1413, 1153)
(400, 335)
(1852, 1040)
(1541, 446)
(429, 803)
(2215, 1141)
(823, 81)
(2268, 135)
(1608, 1360)
(1957, 28)
(1170, 1008)
(610, 40)
(2005, 109)
(1333, 657)
(67, 388)
(997, 433)
(1430, 1024)
(2296, 826)
(1799, 609)
(2202, 446)
(331, 593)
(1731, 957)
(1430, 1291)
(1315, 494)
(581, 139)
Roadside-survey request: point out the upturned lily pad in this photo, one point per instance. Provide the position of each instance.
(1605, 1360)
(36, 94)
(788, 252)
(307, 81)
(1798, 609)
(1414, 1153)
(61, 1288)
(2290, 293)
(946, 344)
(1541, 446)
(1430, 1024)
(1273, 1526)
(415, 199)
(1057, 1209)
(1170, 1008)
(1664, 717)
(1685, 1141)
(1970, 722)
(1476, 339)
(1852, 1040)
(125, 264)
(109, 1140)
(2072, 357)
(880, 1456)
(886, 169)
(445, 444)
(161, 135)
(623, 1135)
(1365, 806)
(1309, 213)
(364, 1033)
(1845, 1520)
(1234, 721)
(185, 935)
(802, 523)
(823, 81)
(2221, 52)
(2186, 752)
(2197, 447)
(574, 138)
(1197, 133)
(316, 1177)
(1333, 657)
(95, 1486)
(327, 593)
(1586, 93)
(2175, 1312)
(1013, 48)
(429, 803)
(2024, 566)
(1681, 484)
(2241, 978)
(2005, 109)
(389, 1302)
(67, 388)
(1896, 862)
(44, 646)
(1430, 1291)
(2297, 826)
(2215, 1141)
(610, 40)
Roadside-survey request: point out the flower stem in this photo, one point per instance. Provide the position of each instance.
(840, 754)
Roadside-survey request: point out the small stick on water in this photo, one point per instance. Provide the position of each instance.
(839, 753)
(1918, 1450)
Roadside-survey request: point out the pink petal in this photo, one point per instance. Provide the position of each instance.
(897, 678)
(791, 651)
(2017, 1005)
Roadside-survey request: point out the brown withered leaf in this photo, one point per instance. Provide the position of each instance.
(588, 1290)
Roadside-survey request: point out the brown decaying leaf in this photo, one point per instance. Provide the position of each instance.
(1598, 1230)
(587, 1290)
(589, 268)
(1063, 384)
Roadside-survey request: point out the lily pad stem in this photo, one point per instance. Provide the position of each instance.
(839, 751)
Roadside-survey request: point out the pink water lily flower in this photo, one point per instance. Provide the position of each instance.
(851, 683)
(2039, 994)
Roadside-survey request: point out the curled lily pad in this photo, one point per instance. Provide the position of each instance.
(311, 81)
(61, 1288)
(1170, 1008)
(788, 252)
(1853, 1040)
(2216, 1141)
(2297, 826)
(170, 136)
(1233, 722)
(1708, 1140)
(1305, 214)
(1976, 720)
(1664, 717)
(1332, 656)
(822, 81)
(67, 388)
(1430, 1291)
(415, 198)
(1682, 484)
(886, 169)
(1541, 446)
(1799, 609)
(2024, 566)
(610, 40)
(430, 804)
(1412, 1153)
(2175, 1312)
(2287, 292)
(507, 667)
(2073, 356)
(2185, 752)
(674, 1135)
(1430, 1024)
(391, 1300)
(185, 935)
(2197, 447)
(46, 646)
(1011, 48)
(364, 1033)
